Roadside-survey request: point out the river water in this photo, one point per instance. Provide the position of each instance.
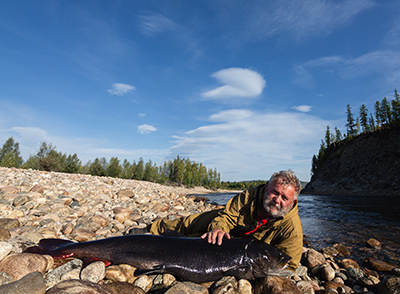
(350, 220)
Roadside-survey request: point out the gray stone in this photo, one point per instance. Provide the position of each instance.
(32, 283)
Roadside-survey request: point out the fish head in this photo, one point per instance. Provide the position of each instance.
(266, 259)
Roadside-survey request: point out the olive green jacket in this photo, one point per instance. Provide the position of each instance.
(285, 233)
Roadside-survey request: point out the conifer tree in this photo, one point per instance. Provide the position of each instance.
(351, 125)
(10, 155)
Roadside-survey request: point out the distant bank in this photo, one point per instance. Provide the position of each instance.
(369, 165)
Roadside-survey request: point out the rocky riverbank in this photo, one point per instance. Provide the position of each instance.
(36, 205)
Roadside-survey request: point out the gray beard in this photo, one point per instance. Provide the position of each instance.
(280, 210)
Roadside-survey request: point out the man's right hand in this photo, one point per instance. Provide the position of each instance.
(216, 235)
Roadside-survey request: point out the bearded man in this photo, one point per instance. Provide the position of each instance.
(268, 213)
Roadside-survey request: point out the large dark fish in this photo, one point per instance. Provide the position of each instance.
(192, 259)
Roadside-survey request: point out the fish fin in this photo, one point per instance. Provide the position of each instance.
(172, 233)
(88, 260)
(156, 269)
(53, 243)
(46, 246)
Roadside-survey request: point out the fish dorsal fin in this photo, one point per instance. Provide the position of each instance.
(172, 233)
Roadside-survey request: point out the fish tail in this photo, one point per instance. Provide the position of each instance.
(53, 247)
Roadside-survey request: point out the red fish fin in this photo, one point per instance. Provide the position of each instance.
(88, 260)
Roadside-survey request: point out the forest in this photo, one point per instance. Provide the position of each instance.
(386, 114)
(179, 171)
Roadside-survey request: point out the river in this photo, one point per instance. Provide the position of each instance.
(350, 220)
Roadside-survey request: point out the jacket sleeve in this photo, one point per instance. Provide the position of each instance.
(227, 219)
(291, 243)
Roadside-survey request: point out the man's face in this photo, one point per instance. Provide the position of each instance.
(278, 199)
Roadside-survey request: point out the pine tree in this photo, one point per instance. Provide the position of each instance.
(351, 125)
(364, 118)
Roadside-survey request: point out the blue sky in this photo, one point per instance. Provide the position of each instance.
(247, 87)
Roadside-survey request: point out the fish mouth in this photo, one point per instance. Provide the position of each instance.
(284, 262)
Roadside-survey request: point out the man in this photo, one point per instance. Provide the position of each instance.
(268, 213)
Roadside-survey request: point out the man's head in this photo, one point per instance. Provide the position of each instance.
(282, 190)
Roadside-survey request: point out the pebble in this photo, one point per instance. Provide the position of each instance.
(36, 205)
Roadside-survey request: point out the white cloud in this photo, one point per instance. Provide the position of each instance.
(153, 23)
(237, 82)
(145, 129)
(254, 143)
(302, 108)
(121, 89)
(228, 115)
(383, 64)
(30, 133)
(302, 19)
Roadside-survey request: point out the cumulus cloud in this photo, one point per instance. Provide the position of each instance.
(302, 108)
(145, 129)
(237, 82)
(121, 89)
(253, 143)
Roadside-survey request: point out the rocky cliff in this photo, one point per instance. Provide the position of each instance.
(367, 165)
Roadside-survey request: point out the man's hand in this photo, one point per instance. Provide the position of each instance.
(216, 235)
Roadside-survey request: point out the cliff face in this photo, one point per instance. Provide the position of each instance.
(368, 165)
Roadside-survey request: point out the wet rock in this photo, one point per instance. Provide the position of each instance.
(332, 285)
(78, 287)
(342, 249)
(20, 264)
(390, 286)
(345, 263)
(373, 243)
(305, 287)
(32, 283)
(328, 273)
(314, 258)
(275, 285)
(355, 273)
(379, 265)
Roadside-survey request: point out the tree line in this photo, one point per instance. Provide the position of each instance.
(181, 171)
(386, 114)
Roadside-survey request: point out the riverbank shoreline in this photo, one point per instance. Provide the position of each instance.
(36, 205)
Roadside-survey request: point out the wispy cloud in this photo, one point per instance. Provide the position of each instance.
(145, 129)
(154, 23)
(237, 82)
(121, 89)
(303, 19)
(385, 65)
(240, 141)
(302, 108)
